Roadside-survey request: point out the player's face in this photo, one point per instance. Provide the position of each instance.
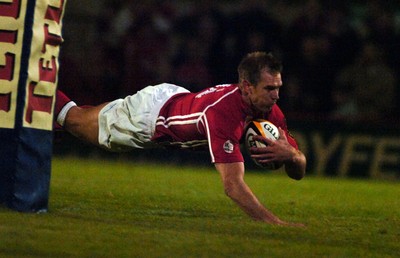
(266, 93)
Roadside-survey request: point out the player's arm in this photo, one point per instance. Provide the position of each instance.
(283, 152)
(295, 167)
(232, 175)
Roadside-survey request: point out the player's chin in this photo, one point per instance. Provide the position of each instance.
(268, 107)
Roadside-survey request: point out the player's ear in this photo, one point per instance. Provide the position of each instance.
(246, 87)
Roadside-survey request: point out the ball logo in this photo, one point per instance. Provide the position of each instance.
(272, 130)
(228, 146)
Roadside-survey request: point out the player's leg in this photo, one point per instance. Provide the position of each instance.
(83, 123)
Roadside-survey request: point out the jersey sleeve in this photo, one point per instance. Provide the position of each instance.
(224, 133)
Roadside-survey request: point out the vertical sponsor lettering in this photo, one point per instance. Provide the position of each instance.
(43, 84)
(10, 52)
(10, 8)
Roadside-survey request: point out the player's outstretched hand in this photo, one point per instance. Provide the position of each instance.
(292, 224)
(274, 220)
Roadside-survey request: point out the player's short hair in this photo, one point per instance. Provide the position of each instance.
(253, 63)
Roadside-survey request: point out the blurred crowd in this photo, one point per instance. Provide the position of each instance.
(341, 58)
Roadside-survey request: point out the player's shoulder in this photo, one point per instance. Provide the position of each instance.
(226, 87)
(216, 90)
(277, 111)
(276, 116)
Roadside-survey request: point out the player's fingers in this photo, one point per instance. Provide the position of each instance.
(296, 225)
(265, 161)
(262, 139)
(263, 156)
(282, 134)
(260, 150)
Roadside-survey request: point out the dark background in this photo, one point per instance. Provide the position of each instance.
(341, 58)
(341, 63)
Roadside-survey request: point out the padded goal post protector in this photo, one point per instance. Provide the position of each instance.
(30, 35)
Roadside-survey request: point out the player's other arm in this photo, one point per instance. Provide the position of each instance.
(296, 167)
(232, 175)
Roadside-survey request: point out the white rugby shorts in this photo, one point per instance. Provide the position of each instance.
(130, 122)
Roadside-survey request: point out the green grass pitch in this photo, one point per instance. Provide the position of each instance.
(115, 208)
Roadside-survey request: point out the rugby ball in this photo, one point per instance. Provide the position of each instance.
(266, 129)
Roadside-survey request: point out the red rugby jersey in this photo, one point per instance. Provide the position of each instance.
(213, 118)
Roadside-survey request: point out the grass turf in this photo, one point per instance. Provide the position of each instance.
(101, 208)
